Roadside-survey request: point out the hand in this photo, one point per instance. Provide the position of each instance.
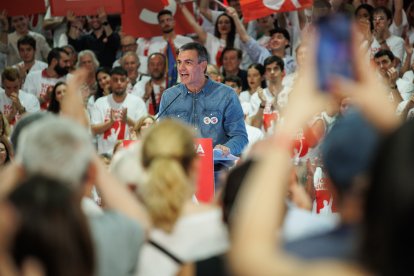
(261, 95)
(392, 74)
(232, 12)
(4, 22)
(113, 118)
(14, 97)
(224, 149)
(71, 17)
(124, 113)
(148, 90)
(102, 15)
(408, 47)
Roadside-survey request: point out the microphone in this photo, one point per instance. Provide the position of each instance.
(166, 108)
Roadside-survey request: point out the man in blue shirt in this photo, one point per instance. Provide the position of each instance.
(212, 108)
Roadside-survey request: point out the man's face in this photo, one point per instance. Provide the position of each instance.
(383, 64)
(94, 22)
(63, 65)
(11, 86)
(27, 53)
(86, 62)
(119, 84)
(128, 44)
(20, 24)
(231, 61)
(73, 56)
(380, 21)
(301, 54)
(156, 67)
(189, 68)
(167, 23)
(273, 72)
(278, 42)
(234, 85)
(130, 64)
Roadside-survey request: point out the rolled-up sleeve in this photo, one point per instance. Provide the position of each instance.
(256, 52)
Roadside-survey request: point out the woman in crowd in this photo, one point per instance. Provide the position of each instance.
(183, 231)
(87, 59)
(103, 78)
(142, 126)
(224, 35)
(255, 79)
(56, 97)
(6, 151)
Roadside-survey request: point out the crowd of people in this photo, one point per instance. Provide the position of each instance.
(99, 171)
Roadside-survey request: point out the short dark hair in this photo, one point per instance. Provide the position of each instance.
(163, 12)
(383, 10)
(384, 52)
(201, 50)
(228, 49)
(118, 70)
(55, 54)
(282, 31)
(234, 79)
(272, 59)
(27, 40)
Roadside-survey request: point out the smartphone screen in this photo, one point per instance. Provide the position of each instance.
(334, 54)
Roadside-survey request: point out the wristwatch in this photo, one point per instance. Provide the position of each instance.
(105, 23)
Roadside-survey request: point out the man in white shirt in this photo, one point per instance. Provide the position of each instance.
(150, 90)
(13, 101)
(27, 50)
(39, 83)
(383, 39)
(113, 115)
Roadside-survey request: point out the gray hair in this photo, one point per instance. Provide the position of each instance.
(56, 147)
(84, 53)
(127, 54)
(201, 50)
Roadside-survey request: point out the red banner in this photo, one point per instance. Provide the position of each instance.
(253, 9)
(22, 7)
(85, 7)
(140, 17)
(205, 181)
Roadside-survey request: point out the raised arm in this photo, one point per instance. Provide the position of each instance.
(398, 10)
(4, 28)
(241, 30)
(202, 35)
(205, 10)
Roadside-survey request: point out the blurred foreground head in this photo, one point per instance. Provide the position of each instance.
(168, 156)
(57, 148)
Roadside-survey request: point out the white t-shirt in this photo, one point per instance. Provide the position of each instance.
(37, 82)
(29, 102)
(101, 113)
(395, 43)
(38, 65)
(397, 31)
(139, 90)
(195, 237)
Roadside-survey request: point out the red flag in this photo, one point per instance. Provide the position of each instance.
(253, 9)
(84, 7)
(23, 7)
(140, 17)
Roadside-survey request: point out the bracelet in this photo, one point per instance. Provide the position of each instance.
(393, 86)
(383, 42)
(105, 23)
(262, 106)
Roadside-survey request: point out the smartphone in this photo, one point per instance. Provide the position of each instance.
(334, 50)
